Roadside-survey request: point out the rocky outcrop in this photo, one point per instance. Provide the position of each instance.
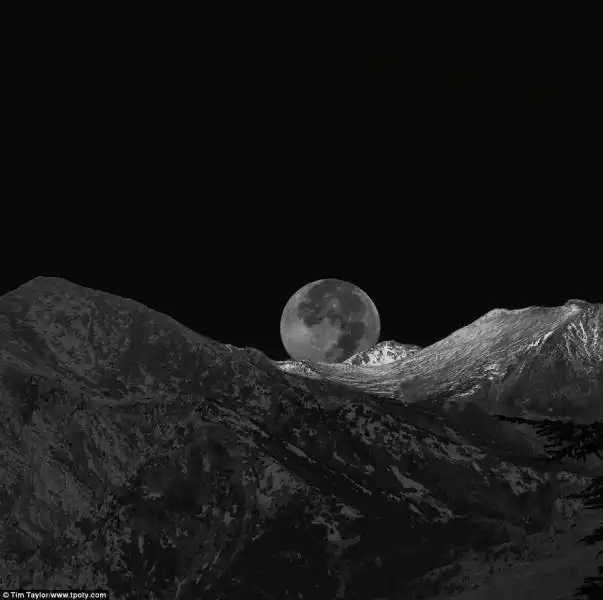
(146, 459)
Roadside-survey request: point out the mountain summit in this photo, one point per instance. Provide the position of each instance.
(148, 460)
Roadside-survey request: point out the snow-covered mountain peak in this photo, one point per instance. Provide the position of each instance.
(579, 303)
(383, 353)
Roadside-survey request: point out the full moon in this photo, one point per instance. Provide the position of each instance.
(328, 320)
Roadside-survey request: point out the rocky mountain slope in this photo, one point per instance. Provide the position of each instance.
(143, 458)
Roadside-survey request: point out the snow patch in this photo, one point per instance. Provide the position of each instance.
(296, 450)
(406, 482)
(521, 480)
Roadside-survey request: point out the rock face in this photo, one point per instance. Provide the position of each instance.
(140, 457)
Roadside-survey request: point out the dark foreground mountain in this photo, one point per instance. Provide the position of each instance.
(140, 457)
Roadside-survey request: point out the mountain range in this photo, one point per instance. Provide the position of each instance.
(141, 457)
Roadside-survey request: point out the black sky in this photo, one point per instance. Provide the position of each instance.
(441, 210)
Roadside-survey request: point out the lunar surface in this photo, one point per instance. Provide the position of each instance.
(329, 320)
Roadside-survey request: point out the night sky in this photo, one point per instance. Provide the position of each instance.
(439, 212)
